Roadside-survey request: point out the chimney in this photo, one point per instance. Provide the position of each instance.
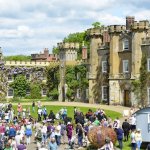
(129, 22)
(46, 52)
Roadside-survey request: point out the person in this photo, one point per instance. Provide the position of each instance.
(133, 142)
(13, 144)
(18, 138)
(69, 129)
(148, 147)
(38, 137)
(108, 145)
(79, 132)
(33, 106)
(12, 132)
(52, 144)
(28, 133)
(58, 134)
(21, 146)
(44, 112)
(119, 133)
(39, 114)
(126, 129)
(133, 122)
(138, 138)
(44, 133)
(19, 109)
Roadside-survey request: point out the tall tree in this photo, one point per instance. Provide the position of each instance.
(96, 24)
(20, 86)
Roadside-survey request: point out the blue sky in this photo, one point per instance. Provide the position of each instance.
(29, 26)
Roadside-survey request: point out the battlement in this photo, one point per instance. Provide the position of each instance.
(95, 31)
(31, 63)
(141, 25)
(116, 28)
(146, 41)
(68, 45)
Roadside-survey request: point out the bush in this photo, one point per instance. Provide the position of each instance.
(53, 95)
(35, 91)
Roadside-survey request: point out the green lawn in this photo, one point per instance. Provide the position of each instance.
(70, 110)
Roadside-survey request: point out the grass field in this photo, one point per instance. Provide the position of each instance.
(70, 110)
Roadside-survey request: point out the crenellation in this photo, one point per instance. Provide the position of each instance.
(141, 25)
(68, 45)
(116, 28)
(95, 31)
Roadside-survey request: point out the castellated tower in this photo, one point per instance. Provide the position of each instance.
(114, 62)
(96, 35)
(139, 31)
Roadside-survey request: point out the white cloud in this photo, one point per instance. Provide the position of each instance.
(27, 26)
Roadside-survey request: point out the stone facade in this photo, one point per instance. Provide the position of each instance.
(116, 63)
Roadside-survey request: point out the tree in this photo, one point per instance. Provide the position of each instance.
(35, 90)
(55, 50)
(96, 24)
(20, 86)
(17, 58)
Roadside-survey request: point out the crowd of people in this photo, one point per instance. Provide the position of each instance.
(50, 130)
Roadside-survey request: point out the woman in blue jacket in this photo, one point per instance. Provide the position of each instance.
(28, 133)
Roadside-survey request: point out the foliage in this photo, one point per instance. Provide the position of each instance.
(20, 86)
(17, 58)
(96, 24)
(55, 50)
(35, 90)
(52, 81)
(143, 80)
(79, 37)
(76, 79)
(139, 87)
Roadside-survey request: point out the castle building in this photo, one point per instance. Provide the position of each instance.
(115, 60)
(44, 56)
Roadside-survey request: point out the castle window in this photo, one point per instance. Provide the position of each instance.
(104, 66)
(28, 92)
(148, 94)
(10, 92)
(44, 92)
(28, 76)
(125, 66)
(148, 64)
(10, 78)
(104, 93)
(125, 44)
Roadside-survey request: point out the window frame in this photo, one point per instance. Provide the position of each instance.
(44, 91)
(124, 61)
(103, 94)
(103, 62)
(9, 92)
(125, 45)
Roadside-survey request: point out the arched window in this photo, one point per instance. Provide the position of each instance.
(125, 44)
(44, 92)
(10, 92)
(9, 77)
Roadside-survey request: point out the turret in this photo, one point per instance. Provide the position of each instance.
(115, 31)
(129, 22)
(139, 31)
(68, 51)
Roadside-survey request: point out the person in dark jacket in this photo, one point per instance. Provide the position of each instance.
(126, 129)
(119, 133)
(79, 132)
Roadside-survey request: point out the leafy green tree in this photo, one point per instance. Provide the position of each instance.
(96, 24)
(55, 50)
(17, 58)
(35, 90)
(20, 86)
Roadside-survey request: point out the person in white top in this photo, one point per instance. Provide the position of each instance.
(18, 138)
(108, 145)
(14, 144)
(44, 133)
(58, 134)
